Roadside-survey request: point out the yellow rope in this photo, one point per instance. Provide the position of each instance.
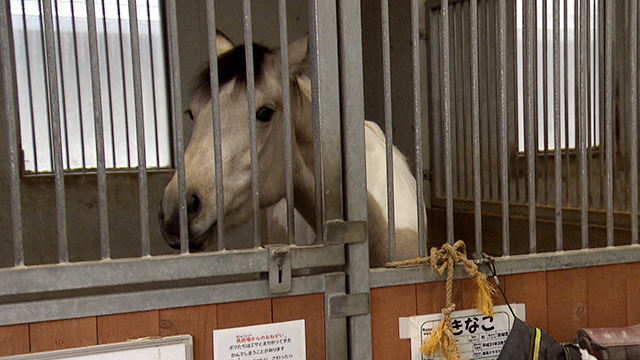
(443, 260)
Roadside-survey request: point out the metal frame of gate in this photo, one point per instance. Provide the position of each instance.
(65, 290)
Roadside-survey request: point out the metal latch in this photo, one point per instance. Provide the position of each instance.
(279, 269)
(343, 305)
(344, 232)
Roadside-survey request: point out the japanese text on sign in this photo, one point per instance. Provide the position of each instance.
(479, 336)
(279, 341)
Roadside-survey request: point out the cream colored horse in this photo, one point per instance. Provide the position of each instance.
(199, 157)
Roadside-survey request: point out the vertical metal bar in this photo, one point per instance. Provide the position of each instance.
(251, 112)
(352, 113)
(174, 65)
(54, 113)
(153, 86)
(545, 102)
(577, 99)
(336, 346)
(417, 123)
(455, 167)
(504, 156)
(435, 79)
(388, 126)
(516, 137)
(286, 117)
(609, 112)
(142, 155)
(566, 102)
(475, 121)
(466, 90)
(633, 117)
(99, 130)
(491, 96)
(602, 97)
(556, 124)
(446, 85)
(457, 94)
(109, 89)
(29, 88)
(125, 97)
(11, 116)
(63, 97)
(529, 26)
(584, 181)
(325, 110)
(215, 113)
(79, 97)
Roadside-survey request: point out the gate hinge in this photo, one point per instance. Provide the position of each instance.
(340, 232)
(279, 269)
(345, 305)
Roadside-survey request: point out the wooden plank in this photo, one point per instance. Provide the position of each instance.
(432, 297)
(311, 309)
(14, 339)
(197, 321)
(122, 327)
(633, 293)
(387, 305)
(529, 289)
(244, 313)
(63, 334)
(607, 296)
(566, 303)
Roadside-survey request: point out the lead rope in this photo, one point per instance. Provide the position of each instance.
(443, 260)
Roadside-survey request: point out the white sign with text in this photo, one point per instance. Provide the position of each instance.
(278, 341)
(479, 336)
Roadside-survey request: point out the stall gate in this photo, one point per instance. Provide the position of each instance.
(489, 85)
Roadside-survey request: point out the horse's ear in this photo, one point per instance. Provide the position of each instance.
(223, 43)
(299, 56)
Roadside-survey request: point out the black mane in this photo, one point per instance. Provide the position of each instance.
(231, 64)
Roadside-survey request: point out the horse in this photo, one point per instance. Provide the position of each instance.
(236, 162)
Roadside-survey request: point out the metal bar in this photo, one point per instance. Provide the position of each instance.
(352, 113)
(158, 298)
(515, 264)
(504, 158)
(457, 100)
(125, 96)
(176, 85)
(529, 63)
(286, 117)
(556, 124)
(251, 115)
(609, 113)
(545, 102)
(336, 346)
(584, 181)
(566, 102)
(435, 79)
(54, 113)
(63, 97)
(325, 111)
(602, 96)
(417, 123)
(388, 127)
(79, 97)
(29, 88)
(446, 85)
(475, 121)
(466, 91)
(142, 155)
(493, 97)
(153, 85)
(215, 115)
(105, 251)
(633, 117)
(109, 92)
(11, 116)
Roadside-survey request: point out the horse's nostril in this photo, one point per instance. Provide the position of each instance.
(193, 205)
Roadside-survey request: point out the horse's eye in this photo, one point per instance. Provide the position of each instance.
(190, 114)
(264, 114)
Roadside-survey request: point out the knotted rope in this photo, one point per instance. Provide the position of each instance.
(443, 260)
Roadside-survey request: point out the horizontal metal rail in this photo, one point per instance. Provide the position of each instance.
(115, 303)
(516, 264)
(86, 275)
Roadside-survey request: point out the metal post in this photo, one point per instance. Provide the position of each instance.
(633, 117)
(530, 115)
(446, 86)
(504, 156)
(556, 124)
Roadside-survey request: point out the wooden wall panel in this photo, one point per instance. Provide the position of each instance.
(607, 296)
(432, 297)
(14, 339)
(63, 334)
(633, 293)
(566, 303)
(387, 305)
(529, 289)
(311, 309)
(198, 321)
(244, 313)
(470, 289)
(122, 327)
